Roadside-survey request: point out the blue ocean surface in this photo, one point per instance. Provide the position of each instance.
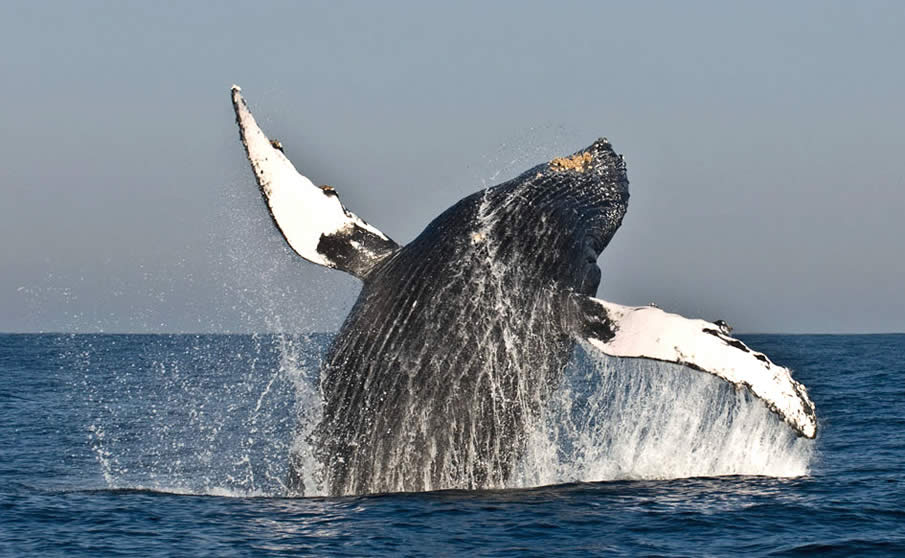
(147, 445)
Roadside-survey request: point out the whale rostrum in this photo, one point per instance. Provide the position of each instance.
(458, 338)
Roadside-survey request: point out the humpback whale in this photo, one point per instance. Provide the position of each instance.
(458, 338)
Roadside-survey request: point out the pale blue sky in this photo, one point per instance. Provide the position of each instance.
(764, 144)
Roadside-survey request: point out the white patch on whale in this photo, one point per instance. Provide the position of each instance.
(648, 332)
(302, 211)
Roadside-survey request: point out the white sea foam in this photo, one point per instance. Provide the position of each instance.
(617, 419)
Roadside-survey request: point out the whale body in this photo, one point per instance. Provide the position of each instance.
(458, 338)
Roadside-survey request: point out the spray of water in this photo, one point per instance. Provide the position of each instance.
(196, 414)
(232, 430)
(228, 415)
(614, 419)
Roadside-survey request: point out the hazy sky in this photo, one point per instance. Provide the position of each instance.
(764, 141)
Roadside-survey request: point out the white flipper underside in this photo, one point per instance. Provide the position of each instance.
(648, 332)
(303, 212)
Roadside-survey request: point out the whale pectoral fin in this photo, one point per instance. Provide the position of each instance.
(648, 332)
(312, 219)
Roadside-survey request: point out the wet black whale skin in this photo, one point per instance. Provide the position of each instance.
(457, 338)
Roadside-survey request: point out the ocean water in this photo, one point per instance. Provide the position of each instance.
(177, 445)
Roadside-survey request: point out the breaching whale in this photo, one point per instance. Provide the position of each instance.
(458, 338)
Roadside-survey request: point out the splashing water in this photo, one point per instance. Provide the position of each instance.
(614, 419)
(197, 414)
(229, 414)
(223, 415)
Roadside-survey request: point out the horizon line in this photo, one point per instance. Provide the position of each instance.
(334, 331)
